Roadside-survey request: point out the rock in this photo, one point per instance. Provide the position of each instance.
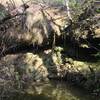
(35, 27)
(80, 65)
(49, 20)
(30, 66)
(97, 33)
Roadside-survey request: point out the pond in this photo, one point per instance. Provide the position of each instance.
(53, 91)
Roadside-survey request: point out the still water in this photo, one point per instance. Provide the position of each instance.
(53, 91)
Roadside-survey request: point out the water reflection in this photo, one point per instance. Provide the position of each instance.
(53, 91)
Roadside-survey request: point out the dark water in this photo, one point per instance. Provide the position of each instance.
(53, 91)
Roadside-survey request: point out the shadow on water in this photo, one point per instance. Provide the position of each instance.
(71, 49)
(75, 52)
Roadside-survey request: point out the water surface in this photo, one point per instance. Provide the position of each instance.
(53, 91)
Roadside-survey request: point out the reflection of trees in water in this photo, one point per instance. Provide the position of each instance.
(54, 91)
